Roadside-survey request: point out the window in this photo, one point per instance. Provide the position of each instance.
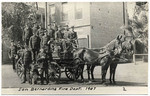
(52, 13)
(78, 11)
(65, 11)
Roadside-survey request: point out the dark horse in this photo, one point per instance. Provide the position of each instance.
(109, 57)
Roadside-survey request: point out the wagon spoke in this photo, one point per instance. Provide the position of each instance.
(54, 72)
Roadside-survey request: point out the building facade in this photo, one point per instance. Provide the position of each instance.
(96, 23)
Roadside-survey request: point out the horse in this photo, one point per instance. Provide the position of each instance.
(104, 59)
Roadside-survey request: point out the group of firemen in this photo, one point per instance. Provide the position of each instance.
(37, 45)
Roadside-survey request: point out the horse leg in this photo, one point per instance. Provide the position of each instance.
(111, 72)
(104, 71)
(92, 71)
(82, 78)
(88, 72)
(114, 71)
(42, 78)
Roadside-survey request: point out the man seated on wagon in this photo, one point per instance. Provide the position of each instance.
(73, 37)
(66, 32)
(43, 64)
(67, 49)
(54, 26)
(46, 44)
(59, 34)
(51, 32)
(59, 38)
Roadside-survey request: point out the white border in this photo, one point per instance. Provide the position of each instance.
(72, 1)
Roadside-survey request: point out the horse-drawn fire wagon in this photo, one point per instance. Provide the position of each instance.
(62, 61)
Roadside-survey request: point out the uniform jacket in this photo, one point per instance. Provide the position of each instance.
(73, 35)
(44, 40)
(66, 34)
(27, 33)
(13, 50)
(59, 35)
(42, 60)
(51, 33)
(34, 42)
(35, 30)
(40, 32)
(27, 56)
(54, 27)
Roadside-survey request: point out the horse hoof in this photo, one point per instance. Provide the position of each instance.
(93, 81)
(110, 82)
(82, 80)
(103, 82)
(90, 82)
(32, 84)
(114, 83)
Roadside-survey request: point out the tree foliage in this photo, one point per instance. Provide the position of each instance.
(14, 17)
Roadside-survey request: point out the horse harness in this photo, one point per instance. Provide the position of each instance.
(98, 59)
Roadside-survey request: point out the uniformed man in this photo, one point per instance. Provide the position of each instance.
(27, 33)
(54, 26)
(34, 45)
(59, 34)
(12, 54)
(45, 42)
(27, 60)
(35, 28)
(67, 47)
(18, 45)
(66, 32)
(40, 32)
(19, 51)
(43, 64)
(51, 32)
(73, 37)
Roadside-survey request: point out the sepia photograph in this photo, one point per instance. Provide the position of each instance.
(83, 48)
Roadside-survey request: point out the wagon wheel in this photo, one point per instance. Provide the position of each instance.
(20, 68)
(73, 73)
(21, 75)
(78, 72)
(54, 72)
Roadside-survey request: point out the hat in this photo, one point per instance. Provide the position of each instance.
(34, 22)
(49, 24)
(59, 26)
(72, 26)
(53, 22)
(45, 30)
(40, 24)
(18, 42)
(62, 28)
(25, 46)
(12, 40)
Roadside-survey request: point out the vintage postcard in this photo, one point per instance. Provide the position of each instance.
(74, 48)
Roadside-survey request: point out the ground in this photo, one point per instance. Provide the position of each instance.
(127, 74)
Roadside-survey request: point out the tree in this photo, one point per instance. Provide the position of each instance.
(14, 18)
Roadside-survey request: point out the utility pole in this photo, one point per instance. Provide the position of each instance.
(46, 15)
(124, 15)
